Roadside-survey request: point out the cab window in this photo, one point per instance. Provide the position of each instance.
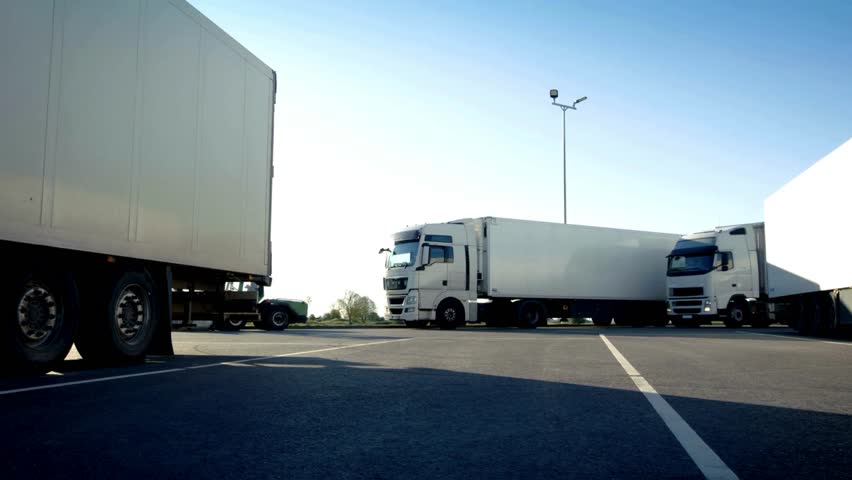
(440, 254)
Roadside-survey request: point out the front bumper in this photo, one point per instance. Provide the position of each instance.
(692, 307)
(403, 306)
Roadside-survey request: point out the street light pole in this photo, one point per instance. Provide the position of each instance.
(554, 94)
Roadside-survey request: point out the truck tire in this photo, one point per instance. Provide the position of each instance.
(739, 314)
(277, 318)
(818, 316)
(449, 315)
(120, 316)
(39, 315)
(531, 315)
(231, 324)
(602, 321)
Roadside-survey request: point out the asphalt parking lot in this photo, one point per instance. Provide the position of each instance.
(581, 402)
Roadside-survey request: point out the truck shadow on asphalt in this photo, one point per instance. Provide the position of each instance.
(358, 334)
(307, 417)
(770, 333)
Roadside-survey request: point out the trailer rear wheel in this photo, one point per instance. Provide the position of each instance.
(818, 315)
(120, 315)
(531, 315)
(602, 321)
(39, 314)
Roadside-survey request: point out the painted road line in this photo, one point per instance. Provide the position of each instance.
(182, 369)
(704, 457)
(248, 343)
(803, 339)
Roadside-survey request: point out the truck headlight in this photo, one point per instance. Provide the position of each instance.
(707, 305)
(411, 299)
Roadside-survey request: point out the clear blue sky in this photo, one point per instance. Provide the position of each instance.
(397, 113)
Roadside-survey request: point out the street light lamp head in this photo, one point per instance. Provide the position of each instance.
(554, 94)
(581, 99)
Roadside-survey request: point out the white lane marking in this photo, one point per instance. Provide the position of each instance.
(704, 457)
(803, 339)
(172, 370)
(248, 343)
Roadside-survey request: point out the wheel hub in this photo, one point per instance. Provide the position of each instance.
(37, 312)
(450, 314)
(132, 311)
(278, 319)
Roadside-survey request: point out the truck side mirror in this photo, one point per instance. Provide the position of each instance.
(724, 262)
(426, 258)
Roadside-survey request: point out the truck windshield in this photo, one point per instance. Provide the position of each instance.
(404, 254)
(680, 265)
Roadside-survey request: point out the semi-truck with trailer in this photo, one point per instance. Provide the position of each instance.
(720, 274)
(502, 271)
(794, 268)
(135, 166)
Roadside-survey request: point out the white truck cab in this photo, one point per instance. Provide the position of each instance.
(431, 277)
(719, 274)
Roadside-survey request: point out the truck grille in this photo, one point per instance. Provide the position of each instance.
(687, 310)
(400, 283)
(687, 306)
(396, 311)
(687, 292)
(395, 300)
(687, 303)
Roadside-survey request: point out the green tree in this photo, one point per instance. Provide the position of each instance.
(355, 307)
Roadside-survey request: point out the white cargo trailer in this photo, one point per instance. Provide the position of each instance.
(808, 258)
(524, 272)
(135, 160)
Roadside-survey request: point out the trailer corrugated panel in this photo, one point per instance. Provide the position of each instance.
(135, 128)
(528, 259)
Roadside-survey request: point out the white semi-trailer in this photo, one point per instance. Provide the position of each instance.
(503, 271)
(807, 246)
(135, 162)
(795, 268)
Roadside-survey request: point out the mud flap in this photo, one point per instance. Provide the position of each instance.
(162, 341)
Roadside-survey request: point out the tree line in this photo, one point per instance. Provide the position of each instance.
(352, 307)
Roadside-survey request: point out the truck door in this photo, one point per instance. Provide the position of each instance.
(456, 268)
(725, 282)
(433, 278)
(742, 261)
